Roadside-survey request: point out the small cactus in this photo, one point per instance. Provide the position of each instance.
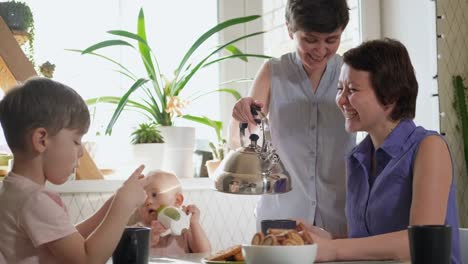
(462, 112)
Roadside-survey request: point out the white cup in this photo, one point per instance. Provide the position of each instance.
(174, 219)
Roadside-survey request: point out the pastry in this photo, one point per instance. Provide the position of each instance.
(226, 254)
(306, 237)
(277, 231)
(257, 238)
(294, 235)
(270, 240)
(300, 227)
(239, 257)
(290, 242)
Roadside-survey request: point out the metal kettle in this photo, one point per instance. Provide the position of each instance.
(253, 169)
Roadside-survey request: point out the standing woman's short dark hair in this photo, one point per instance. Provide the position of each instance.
(323, 16)
(41, 102)
(391, 74)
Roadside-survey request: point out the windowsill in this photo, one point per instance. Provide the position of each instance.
(93, 186)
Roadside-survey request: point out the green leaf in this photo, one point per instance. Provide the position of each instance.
(235, 51)
(145, 54)
(208, 34)
(123, 101)
(143, 47)
(217, 125)
(116, 100)
(214, 150)
(181, 84)
(126, 72)
(241, 56)
(127, 34)
(233, 92)
(106, 43)
(240, 80)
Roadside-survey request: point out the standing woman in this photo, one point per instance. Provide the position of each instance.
(400, 174)
(297, 91)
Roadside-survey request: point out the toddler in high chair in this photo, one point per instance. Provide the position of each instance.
(165, 198)
(43, 122)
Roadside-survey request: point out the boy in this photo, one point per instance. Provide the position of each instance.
(163, 188)
(44, 122)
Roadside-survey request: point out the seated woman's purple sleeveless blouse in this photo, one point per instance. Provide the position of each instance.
(382, 204)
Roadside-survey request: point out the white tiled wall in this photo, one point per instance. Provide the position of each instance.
(452, 48)
(227, 219)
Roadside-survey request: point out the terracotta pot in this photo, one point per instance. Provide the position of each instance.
(211, 166)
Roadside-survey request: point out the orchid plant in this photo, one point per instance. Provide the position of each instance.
(161, 102)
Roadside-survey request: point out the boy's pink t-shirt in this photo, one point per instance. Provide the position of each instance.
(30, 216)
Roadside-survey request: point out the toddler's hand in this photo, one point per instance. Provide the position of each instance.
(132, 193)
(192, 209)
(156, 230)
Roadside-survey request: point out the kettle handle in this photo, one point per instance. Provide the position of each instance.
(254, 109)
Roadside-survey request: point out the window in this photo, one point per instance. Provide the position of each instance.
(61, 25)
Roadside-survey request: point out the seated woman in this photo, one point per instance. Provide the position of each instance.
(400, 174)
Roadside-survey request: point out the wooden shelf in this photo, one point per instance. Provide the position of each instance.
(14, 65)
(21, 36)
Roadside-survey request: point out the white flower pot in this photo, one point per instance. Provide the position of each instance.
(180, 145)
(150, 154)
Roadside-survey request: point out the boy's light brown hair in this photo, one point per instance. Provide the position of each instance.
(41, 102)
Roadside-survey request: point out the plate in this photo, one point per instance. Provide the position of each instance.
(204, 260)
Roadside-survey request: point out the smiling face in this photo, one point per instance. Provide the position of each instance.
(61, 155)
(162, 189)
(357, 101)
(315, 49)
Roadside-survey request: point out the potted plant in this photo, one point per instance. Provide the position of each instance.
(148, 146)
(219, 148)
(19, 18)
(460, 94)
(160, 98)
(47, 69)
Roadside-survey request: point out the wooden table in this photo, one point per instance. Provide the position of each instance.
(196, 258)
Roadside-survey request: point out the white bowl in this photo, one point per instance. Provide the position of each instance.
(279, 254)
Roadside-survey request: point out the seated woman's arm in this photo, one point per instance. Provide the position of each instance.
(432, 177)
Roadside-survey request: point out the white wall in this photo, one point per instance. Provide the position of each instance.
(413, 23)
(237, 69)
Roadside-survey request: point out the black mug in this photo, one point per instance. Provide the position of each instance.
(430, 244)
(278, 223)
(133, 247)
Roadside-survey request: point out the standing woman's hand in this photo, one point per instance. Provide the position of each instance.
(241, 111)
